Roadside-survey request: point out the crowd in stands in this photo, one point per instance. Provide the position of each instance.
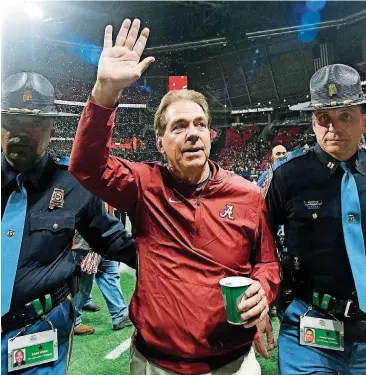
(60, 147)
(244, 152)
(290, 137)
(247, 159)
(73, 90)
(66, 127)
(138, 156)
(247, 154)
(78, 91)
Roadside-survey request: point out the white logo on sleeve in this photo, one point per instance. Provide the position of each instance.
(173, 201)
(228, 212)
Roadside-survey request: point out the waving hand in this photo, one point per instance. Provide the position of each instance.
(120, 65)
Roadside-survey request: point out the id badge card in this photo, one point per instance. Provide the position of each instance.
(322, 333)
(32, 350)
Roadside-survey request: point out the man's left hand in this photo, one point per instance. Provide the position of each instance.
(254, 305)
(264, 328)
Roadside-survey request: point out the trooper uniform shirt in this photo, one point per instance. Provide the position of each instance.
(305, 195)
(45, 260)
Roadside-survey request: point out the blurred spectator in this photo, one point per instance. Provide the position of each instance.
(243, 153)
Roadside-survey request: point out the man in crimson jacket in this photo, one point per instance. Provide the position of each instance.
(194, 224)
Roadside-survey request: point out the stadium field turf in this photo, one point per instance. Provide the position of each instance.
(89, 352)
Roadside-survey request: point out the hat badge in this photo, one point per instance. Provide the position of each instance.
(332, 89)
(27, 96)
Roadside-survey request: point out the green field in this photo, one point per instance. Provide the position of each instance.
(89, 351)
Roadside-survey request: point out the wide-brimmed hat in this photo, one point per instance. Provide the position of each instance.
(29, 94)
(334, 86)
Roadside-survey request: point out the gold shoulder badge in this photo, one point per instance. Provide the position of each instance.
(57, 198)
(332, 89)
(27, 96)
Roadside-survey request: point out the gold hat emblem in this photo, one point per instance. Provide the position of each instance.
(332, 89)
(27, 96)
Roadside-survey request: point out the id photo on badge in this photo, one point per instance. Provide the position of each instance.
(309, 335)
(19, 357)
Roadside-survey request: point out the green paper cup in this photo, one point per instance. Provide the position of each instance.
(233, 289)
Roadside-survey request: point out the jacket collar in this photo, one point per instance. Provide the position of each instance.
(33, 175)
(217, 175)
(358, 161)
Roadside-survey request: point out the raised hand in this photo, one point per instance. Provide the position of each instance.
(119, 65)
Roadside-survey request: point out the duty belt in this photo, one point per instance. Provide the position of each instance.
(33, 311)
(341, 309)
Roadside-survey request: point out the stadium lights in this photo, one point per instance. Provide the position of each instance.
(11, 6)
(33, 11)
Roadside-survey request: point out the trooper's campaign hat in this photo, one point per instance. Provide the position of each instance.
(29, 94)
(334, 86)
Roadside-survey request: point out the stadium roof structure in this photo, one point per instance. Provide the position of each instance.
(209, 41)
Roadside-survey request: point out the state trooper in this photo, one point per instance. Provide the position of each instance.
(319, 195)
(42, 205)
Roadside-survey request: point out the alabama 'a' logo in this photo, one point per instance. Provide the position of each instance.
(228, 212)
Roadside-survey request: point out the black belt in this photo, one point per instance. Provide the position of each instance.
(355, 330)
(341, 309)
(21, 318)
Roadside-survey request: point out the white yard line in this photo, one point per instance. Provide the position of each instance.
(115, 353)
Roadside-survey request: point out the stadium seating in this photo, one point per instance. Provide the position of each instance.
(242, 151)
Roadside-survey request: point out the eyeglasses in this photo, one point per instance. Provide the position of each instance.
(280, 153)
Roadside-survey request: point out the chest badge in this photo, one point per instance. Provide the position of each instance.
(57, 198)
(313, 205)
(228, 212)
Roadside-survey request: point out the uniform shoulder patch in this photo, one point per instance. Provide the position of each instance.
(290, 156)
(62, 160)
(267, 182)
(262, 178)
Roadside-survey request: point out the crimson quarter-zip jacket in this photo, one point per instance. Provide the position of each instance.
(187, 240)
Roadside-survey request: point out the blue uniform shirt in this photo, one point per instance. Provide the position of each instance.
(46, 260)
(305, 196)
